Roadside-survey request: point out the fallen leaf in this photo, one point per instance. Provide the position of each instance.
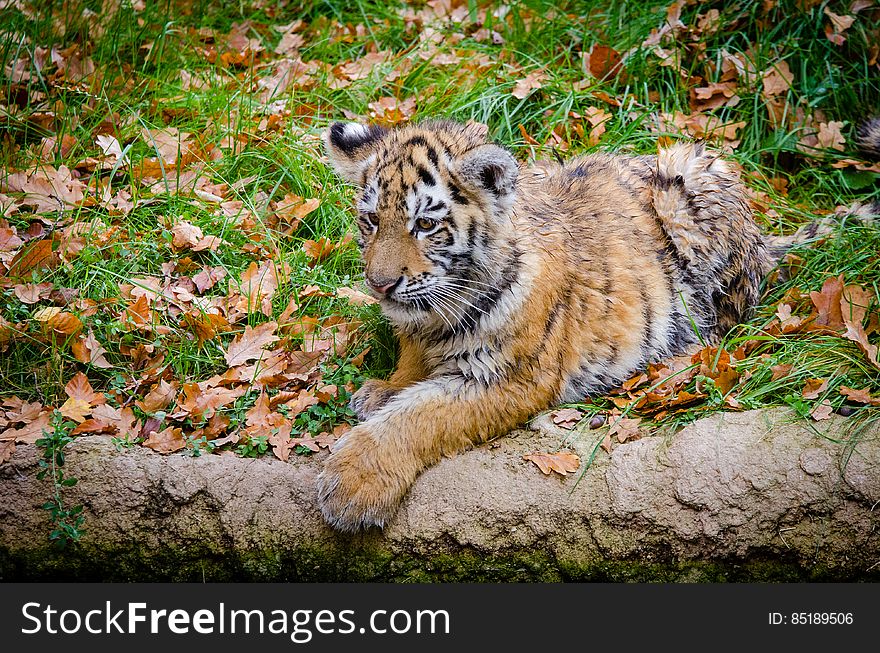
(356, 297)
(566, 418)
(7, 448)
(208, 277)
(80, 388)
(625, 429)
(859, 396)
(318, 250)
(603, 62)
(75, 409)
(814, 387)
(525, 85)
(185, 234)
(167, 440)
(562, 463)
(158, 398)
(33, 257)
(249, 345)
(780, 371)
(830, 137)
(30, 432)
(827, 303)
(822, 411)
(778, 79)
(87, 349)
(857, 334)
(31, 293)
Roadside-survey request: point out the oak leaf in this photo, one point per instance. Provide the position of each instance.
(822, 411)
(562, 463)
(250, 345)
(167, 440)
(531, 82)
(814, 388)
(87, 349)
(566, 418)
(159, 397)
(625, 429)
(827, 303)
(7, 448)
(859, 396)
(356, 297)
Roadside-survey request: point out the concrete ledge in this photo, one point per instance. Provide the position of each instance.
(749, 496)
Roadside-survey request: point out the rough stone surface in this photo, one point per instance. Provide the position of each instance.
(749, 496)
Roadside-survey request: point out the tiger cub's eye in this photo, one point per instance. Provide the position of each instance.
(424, 224)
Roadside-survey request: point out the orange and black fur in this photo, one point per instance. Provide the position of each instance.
(512, 289)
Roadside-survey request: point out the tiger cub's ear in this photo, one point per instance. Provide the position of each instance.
(350, 147)
(491, 169)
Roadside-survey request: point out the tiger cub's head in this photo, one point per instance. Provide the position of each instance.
(433, 214)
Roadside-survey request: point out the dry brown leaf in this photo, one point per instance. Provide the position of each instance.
(856, 333)
(827, 303)
(31, 293)
(7, 448)
(318, 250)
(625, 429)
(602, 62)
(778, 79)
(30, 432)
(65, 324)
(159, 397)
(87, 349)
(859, 396)
(249, 345)
(780, 371)
(531, 82)
(37, 256)
(854, 303)
(566, 418)
(167, 440)
(814, 387)
(185, 234)
(356, 297)
(822, 411)
(562, 463)
(389, 111)
(830, 137)
(75, 409)
(80, 388)
(208, 277)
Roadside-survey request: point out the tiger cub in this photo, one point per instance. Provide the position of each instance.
(514, 288)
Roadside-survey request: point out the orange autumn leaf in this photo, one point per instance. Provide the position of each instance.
(859, 396)
(167, 440)
(562, 463)
(566, 418)
(814, 388)
(250, 344)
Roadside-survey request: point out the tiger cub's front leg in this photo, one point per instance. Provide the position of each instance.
(375, 393)
(373, 465)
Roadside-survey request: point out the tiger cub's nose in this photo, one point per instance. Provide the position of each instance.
(381, 285)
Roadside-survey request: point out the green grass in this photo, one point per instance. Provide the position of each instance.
(139, 56)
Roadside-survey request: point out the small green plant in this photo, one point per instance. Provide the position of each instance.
(253, 447)
(196, 446)
(67, 522)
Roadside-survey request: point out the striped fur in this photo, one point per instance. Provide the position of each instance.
(512, 289)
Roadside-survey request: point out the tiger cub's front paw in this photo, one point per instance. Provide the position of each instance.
(371, 396)
(358, 488)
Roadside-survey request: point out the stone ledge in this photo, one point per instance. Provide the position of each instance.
(747, 496)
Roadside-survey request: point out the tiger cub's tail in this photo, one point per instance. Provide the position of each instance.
(868, 213)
